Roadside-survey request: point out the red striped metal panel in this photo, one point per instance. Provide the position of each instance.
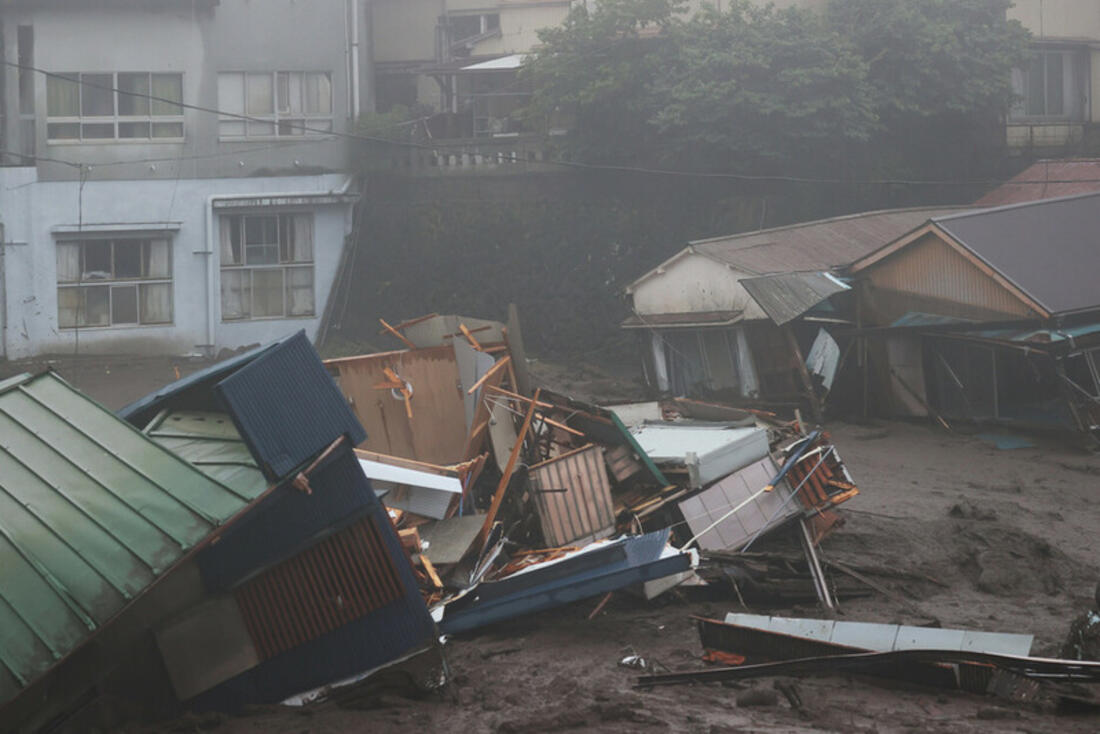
(337, 581)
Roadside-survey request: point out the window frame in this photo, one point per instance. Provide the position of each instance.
(239, 219)
(1075, 91)
(116, 120)
(115, 282)
(276, 116)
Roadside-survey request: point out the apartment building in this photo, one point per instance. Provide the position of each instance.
(1059, 90)
(173, 173)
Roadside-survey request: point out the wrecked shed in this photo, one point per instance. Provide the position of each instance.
(92, 515)
(990, 315)
(709, 317)
(225, 549)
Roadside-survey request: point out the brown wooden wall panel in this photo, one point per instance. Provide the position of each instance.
(585, 511)
(929, 275)
(336, 581)
(437, 432)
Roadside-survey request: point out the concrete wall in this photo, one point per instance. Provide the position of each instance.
(1059, 19)
(234, 35)
(31, 209)
(695, 283)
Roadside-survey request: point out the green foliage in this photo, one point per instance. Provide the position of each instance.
(755, 83)
(399, 123)
(863, 83)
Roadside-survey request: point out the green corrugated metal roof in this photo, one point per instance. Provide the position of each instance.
(211, 443)
(91, 513)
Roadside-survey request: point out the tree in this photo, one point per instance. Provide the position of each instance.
(760, 88)
(940, 71)
(889, 86)
(594, 72)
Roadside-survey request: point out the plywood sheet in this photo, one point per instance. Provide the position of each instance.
(437, 431)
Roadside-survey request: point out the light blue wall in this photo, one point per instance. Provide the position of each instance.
(30, 211)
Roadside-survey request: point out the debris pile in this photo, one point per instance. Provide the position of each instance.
(280, 529)
(511, 498)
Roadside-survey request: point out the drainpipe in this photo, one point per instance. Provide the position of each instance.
(354, 60)
(212, 296)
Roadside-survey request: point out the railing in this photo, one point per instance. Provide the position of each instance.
(500, 155)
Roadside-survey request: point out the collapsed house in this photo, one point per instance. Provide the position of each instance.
(216, 545)
(736, 318)
(512, 501)
(988, 315)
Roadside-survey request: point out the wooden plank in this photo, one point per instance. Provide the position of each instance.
(390, 330)
(496, 368)
(430, 569)
(410, 540)
(505, 478)
(469, 337)
(476, 439)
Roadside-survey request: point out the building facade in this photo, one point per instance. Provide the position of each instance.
(174, 172)
(1059, 91)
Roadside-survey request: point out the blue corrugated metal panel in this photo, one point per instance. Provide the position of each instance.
(287, 407)
(141, 411)
(91, 513)
(289, 520)
(636, 560)
(380, 637)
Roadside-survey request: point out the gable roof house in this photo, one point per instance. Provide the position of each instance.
(991, 314)
(735, 316)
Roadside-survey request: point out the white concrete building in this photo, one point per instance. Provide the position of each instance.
(174, 171)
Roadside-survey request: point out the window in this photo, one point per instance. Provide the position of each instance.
(466, 27)
(282, 103)
(105, 282)
(267, 266)
(1050, 86)
(114, 106)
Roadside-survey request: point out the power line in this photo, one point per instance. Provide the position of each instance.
(713, 175)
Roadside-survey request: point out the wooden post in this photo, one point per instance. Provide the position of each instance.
(804, 374)
(505, 478)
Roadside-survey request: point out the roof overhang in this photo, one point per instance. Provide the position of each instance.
(690, 320)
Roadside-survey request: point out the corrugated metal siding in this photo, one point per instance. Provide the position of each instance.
(787, 296)
(91, 513)
(287, 408)
(1046, 248)
(211, 444)
(335, 582)
(931, 269)
(585, 511)
(287, 521)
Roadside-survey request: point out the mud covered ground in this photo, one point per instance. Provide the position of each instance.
(1008, 540)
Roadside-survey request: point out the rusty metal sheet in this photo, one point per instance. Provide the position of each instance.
(584, 511)
(786, 296)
